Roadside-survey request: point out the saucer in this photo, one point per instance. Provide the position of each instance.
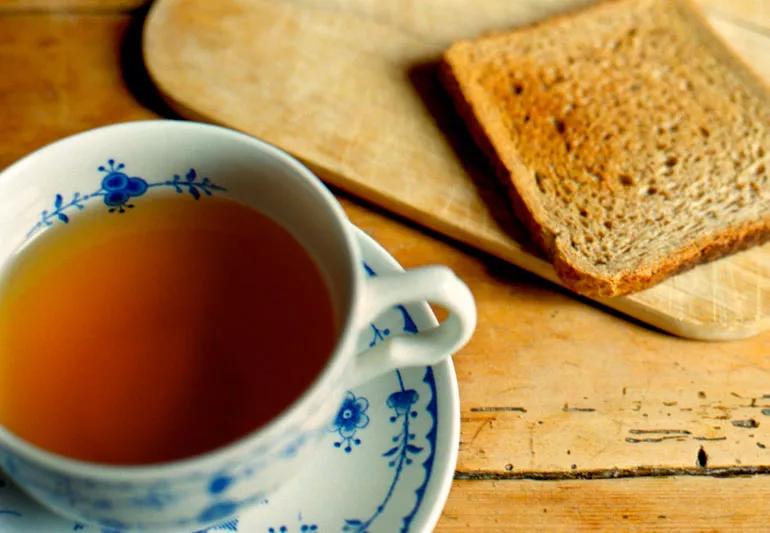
(386, 463)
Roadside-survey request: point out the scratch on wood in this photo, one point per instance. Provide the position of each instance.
(480, 428)
(659, 431)
(615, 473)
(749, 423)
(568, 409)
(633, 440)
(660, 435)
(498, 409)
(531, 445)
(670, 404)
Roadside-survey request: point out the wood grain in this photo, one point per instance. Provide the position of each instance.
(350, 88)
(53, 83)
(658, 504)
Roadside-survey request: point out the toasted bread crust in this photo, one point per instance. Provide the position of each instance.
(722, 244)
(537, 232)
(513, 173)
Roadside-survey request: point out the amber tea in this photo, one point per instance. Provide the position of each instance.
(160, 333)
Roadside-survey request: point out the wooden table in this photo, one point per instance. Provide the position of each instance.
(572, 418)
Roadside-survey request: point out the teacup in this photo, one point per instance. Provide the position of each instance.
(194, 493)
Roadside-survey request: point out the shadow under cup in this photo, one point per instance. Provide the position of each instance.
(200, 491)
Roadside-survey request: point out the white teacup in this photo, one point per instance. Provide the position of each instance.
(53, 184)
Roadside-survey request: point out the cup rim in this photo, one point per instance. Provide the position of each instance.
(323, 380)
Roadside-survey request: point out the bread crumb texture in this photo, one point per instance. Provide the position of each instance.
(635, 144)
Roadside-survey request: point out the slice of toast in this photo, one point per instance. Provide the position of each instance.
(634, 143)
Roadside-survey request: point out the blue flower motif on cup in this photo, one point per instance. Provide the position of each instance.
(116, 190)
(350, 418)
(218, 510)
(400, 455)
(401, 402)
(220, 483)
(119, 188)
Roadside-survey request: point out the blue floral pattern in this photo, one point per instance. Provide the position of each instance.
(350, 418)
(400, 455)
(377, 334)
(117, 190)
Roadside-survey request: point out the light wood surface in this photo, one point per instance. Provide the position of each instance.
(350, 87)
(69, 6)
(52, 79)
(651, 504)
(751, 14)
(552, 388)
(547, 382)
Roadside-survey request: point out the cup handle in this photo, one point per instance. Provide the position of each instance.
(436, 284)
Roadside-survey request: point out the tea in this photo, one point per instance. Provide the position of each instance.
(160, 333)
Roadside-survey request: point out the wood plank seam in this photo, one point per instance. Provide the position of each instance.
(616, 473)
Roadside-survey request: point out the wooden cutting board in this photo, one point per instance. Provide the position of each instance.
(350, 88)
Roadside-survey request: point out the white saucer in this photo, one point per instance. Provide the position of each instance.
(387, 464)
